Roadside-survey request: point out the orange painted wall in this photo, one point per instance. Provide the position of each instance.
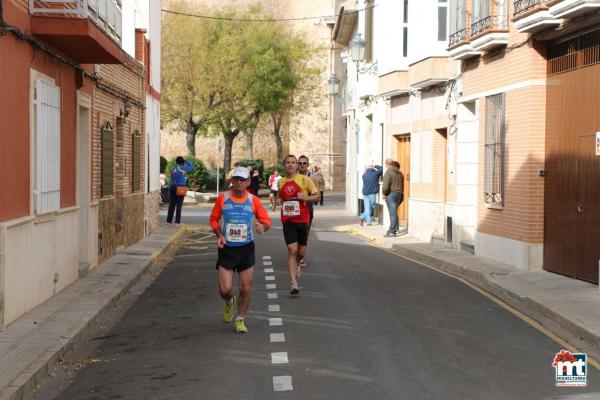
(15, 151)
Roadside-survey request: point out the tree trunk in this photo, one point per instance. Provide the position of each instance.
(229, 136)
(278, 140)
(249, 144)
(190, 137)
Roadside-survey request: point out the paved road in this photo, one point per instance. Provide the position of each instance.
(368, 324)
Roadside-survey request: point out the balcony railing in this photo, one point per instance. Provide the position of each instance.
(458, 37)
(492, 22)
(106, 14)
(523, 6)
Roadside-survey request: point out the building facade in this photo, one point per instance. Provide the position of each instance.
(491, 112)
(58, 72)
(397, 106)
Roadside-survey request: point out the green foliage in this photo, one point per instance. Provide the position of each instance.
(255, 164)
(163, 164)
(211, 183)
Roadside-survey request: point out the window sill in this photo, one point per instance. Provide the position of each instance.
(492, 206)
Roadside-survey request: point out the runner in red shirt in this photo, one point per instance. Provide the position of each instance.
(295, 191)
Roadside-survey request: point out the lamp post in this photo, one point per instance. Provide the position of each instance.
(334, 84)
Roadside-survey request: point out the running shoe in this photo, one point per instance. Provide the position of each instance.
(228, 310)
(302, 263)
(294, 288)
(240, 326)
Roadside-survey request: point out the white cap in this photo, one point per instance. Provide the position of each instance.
(240, 172)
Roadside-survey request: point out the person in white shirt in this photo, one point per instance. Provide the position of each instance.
(273, 184)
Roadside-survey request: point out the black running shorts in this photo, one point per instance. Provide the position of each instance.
(295, 232)
(237, 258)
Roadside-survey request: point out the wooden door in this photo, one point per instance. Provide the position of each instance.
(588, 210)
(403, 143)
(572, 174)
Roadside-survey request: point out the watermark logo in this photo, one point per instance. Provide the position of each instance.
(571, 368)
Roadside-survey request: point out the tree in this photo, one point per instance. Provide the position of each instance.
(189, 46)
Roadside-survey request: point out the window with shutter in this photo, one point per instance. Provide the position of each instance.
(494, 150)
(107, 159)
(136, 144)
(47, 109)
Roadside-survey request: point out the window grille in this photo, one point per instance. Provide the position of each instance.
(47, 121)
(107, 134)
(494, 150)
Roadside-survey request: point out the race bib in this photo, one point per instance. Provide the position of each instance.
(236, 233)
(291, 208)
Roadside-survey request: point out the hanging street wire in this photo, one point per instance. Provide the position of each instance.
(261, 19)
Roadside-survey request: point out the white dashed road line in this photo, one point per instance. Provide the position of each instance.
(277, 337)
(282, 383)
(279, 358)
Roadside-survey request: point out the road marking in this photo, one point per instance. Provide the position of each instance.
(274, 308)
(267, 263)
(277, 337)
(269, 278)
(269, 270)
(266, 257)
(282, 383)
(279, 358)
(275, 322)
(271, 286)
(271, 295)
(534, 324)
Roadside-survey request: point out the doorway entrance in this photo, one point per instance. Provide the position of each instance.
(86, 232)
(403, 151)
(572, 177)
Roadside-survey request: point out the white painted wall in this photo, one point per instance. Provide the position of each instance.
(467, 172)
(29, 275)
(423, 30)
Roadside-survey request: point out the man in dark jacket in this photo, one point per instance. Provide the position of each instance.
(393, 193)
(370, 189)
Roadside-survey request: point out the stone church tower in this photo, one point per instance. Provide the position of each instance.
(318, 132)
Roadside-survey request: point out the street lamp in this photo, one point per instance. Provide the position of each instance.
(334, 85)
(357, 48)
(357, 52)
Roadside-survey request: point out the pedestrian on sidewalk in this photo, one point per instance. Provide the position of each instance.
(370, 190)
(238, 209)
(178, 188)
(393, 193)
(319, 181)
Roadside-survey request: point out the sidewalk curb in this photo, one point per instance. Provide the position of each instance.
(24, 384)
(550, 319)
